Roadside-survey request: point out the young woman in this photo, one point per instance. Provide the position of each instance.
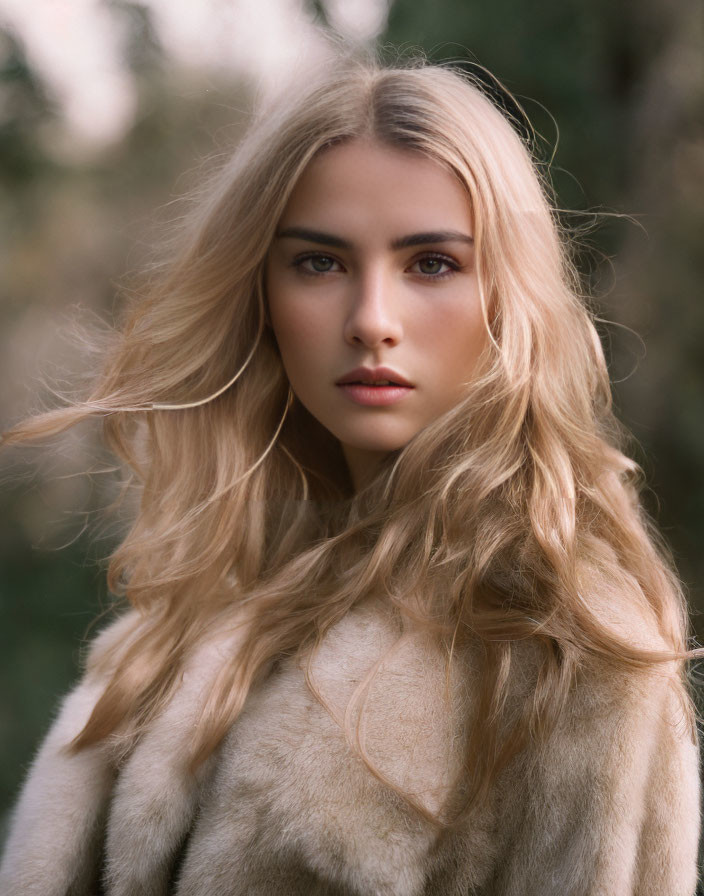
(399, 624)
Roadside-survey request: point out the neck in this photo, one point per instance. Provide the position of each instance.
(362, 463)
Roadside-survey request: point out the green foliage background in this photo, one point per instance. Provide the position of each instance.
(623, 81)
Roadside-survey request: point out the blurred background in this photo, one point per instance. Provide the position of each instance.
(109, 110)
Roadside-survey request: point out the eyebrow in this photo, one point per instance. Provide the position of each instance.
(403, 242)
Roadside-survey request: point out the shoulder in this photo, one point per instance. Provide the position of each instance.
(608, 802)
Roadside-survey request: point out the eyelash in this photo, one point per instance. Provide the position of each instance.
(452, 265)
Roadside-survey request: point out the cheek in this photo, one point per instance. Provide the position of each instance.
(455, 339)
(297, 333)
(302, 333)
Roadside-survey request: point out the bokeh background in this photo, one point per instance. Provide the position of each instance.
(110, 109)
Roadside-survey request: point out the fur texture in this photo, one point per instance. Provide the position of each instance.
(609, 805)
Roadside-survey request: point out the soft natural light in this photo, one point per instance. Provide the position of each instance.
(78, 48)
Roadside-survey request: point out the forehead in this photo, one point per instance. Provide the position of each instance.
(361, 183)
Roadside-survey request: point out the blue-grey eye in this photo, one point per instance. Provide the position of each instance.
(430, 265)
(321, 263)
(435, 266)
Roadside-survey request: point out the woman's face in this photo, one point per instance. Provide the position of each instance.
(373, 266)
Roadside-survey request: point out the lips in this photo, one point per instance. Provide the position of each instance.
(374, 376)
(375, 396)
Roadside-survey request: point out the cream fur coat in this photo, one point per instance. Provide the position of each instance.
(609, 806)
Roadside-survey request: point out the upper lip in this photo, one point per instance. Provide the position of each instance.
(373, 374)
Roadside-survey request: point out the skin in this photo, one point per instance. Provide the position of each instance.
(349, 294)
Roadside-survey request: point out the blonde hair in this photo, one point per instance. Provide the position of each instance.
(514, 516)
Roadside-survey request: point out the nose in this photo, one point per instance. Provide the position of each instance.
(373, 317)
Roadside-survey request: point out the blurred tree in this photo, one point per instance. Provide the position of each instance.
(73, 230)
(24, 108)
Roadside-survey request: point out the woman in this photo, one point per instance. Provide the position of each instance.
(399, 624)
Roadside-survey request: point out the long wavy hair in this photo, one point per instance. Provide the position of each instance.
(513, 516)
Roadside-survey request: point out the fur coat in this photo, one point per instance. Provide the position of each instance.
(608, 806)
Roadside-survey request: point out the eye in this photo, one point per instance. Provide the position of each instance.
(434, 266)
(316, 263)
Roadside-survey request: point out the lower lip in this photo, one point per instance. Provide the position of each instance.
(374, 395)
